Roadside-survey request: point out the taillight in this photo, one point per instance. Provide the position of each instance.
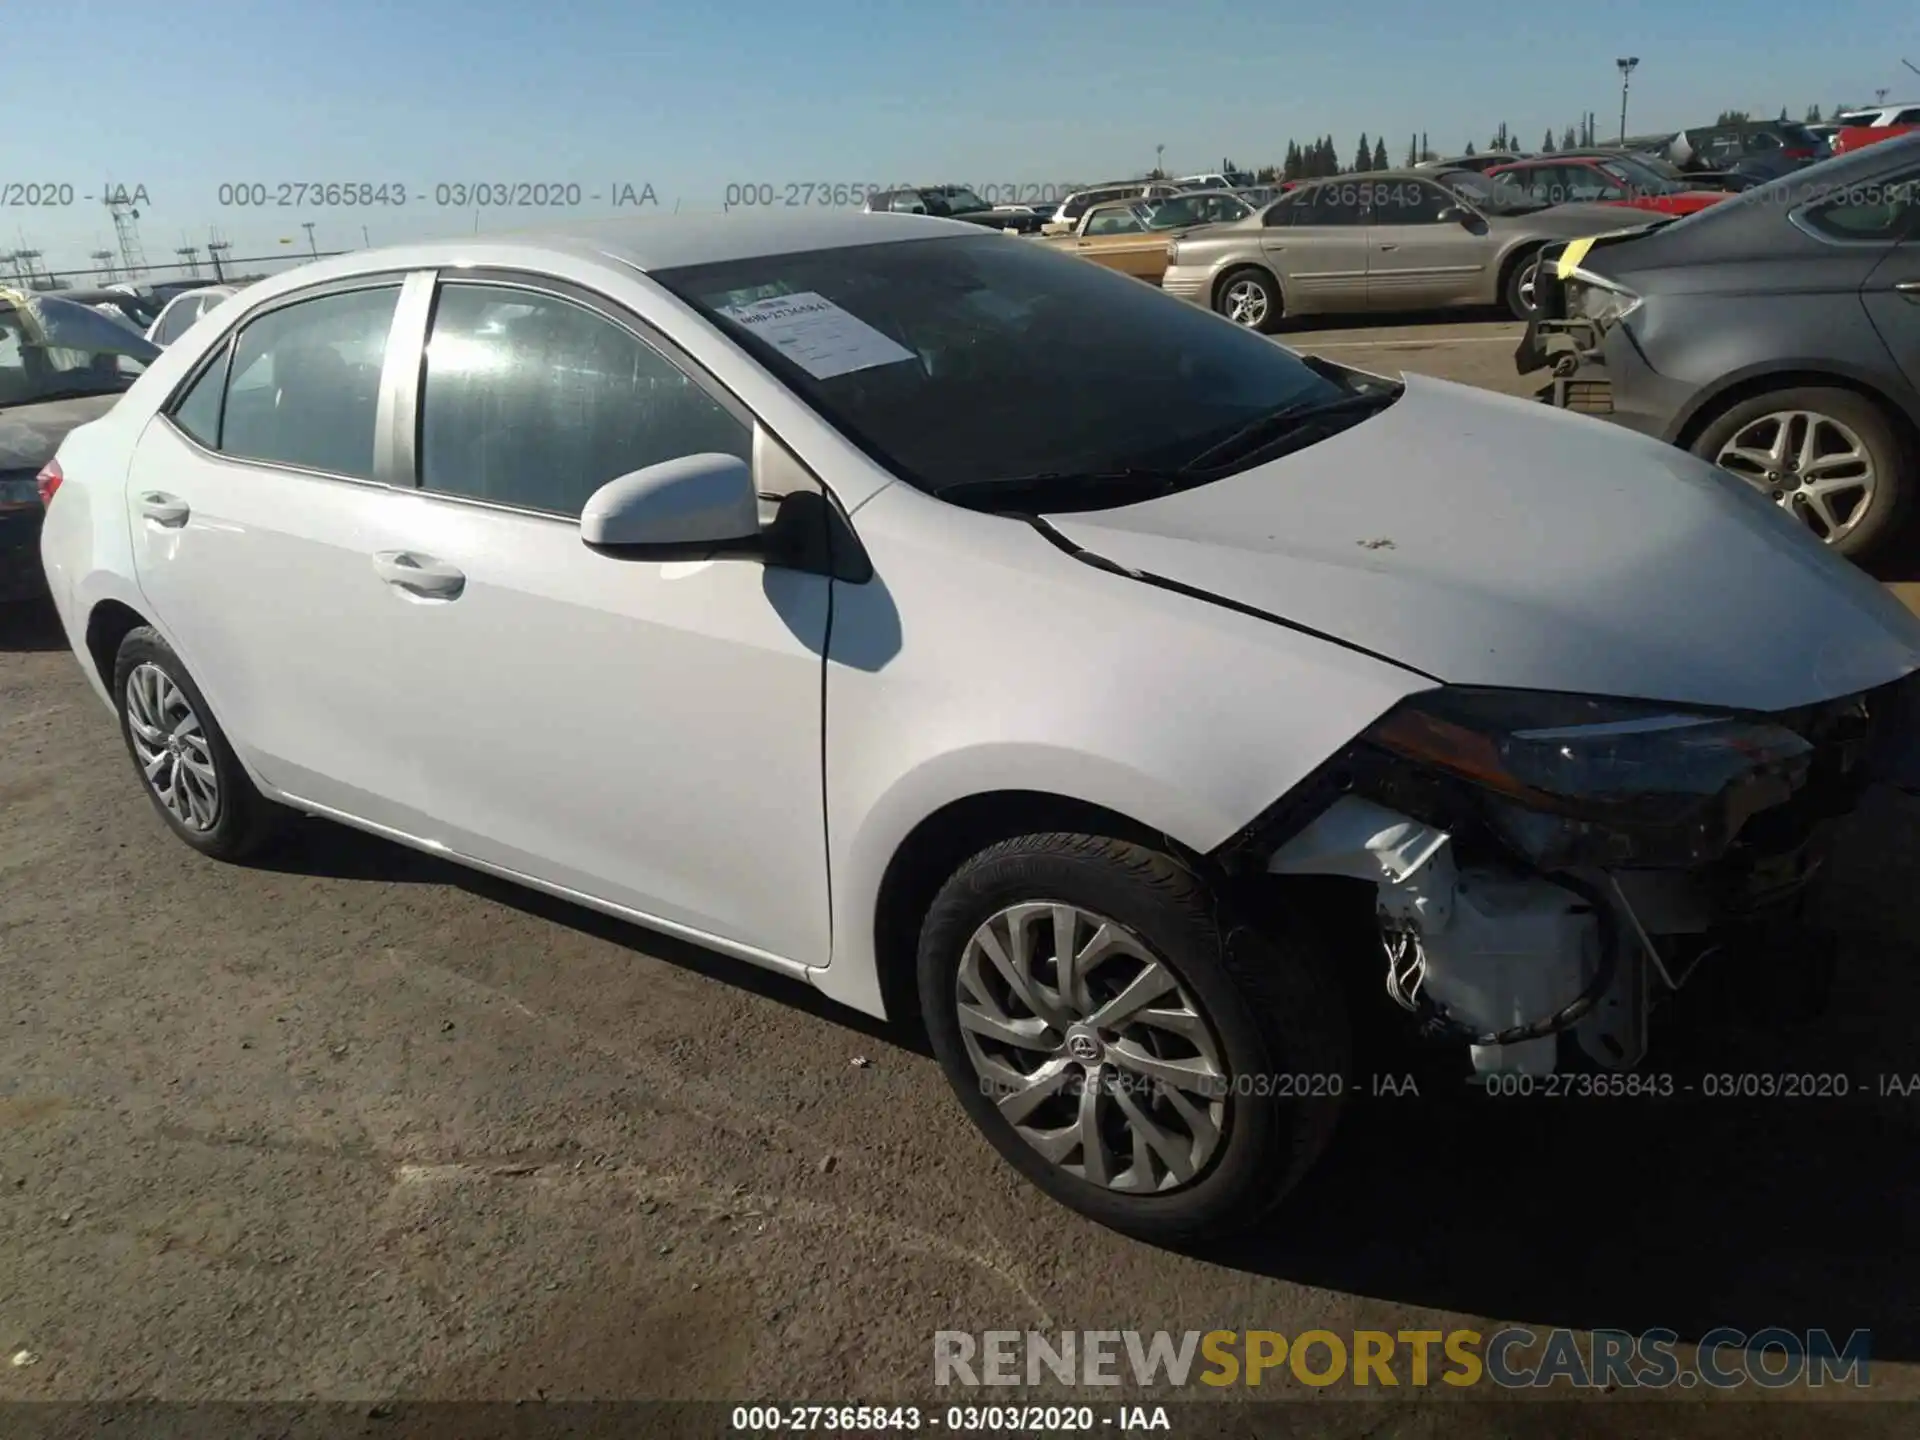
(50, 478)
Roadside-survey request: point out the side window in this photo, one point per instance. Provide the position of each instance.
(908, 202)
(1116, 222)
(178, 320)
(1885, 210)
(1283, 211)
(1341, 203)
(1404, 202)
(1909, 116)
(1761, 140)
(535, 402)
(306, 383)
(198, 411)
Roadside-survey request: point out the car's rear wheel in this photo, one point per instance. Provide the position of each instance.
(1829, 457)
(1124, 1041)
(189, 770)
(1250, 297)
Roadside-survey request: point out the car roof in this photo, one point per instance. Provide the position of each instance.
(662, 242)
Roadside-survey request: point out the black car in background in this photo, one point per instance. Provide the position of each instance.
(1776, 333)
(955, 202)
(62, 363)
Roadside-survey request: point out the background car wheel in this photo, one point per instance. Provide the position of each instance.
(1128, 1045)
(1829, 457)
(1251, 298)
(1520, 286)
(184, 761)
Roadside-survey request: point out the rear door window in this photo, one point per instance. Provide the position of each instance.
(305, 387)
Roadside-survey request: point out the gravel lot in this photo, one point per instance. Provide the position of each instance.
(359, 1125)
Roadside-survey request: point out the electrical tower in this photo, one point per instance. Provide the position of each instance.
(216, 251)
(28, 270)
(104, 259)
(126, 231)
(190, 254)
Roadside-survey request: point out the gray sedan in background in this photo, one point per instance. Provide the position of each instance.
(1387, 240)
(1776, 333)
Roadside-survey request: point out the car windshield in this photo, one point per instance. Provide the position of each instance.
(955, 359)
(1496, 196)
(32, 370)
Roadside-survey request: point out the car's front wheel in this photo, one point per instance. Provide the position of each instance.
(1124, 1041)
(1829, 457)
(1250, 297)
(184, 761)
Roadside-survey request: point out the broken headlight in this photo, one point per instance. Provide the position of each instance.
(1589, 297)
(1570, 780)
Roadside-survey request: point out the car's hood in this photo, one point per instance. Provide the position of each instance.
(1485, 540)
(29, 434)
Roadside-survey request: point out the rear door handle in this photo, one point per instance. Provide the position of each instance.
(420, 575)
(164, 509)
(1909, 288)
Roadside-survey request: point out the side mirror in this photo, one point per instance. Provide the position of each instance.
(684, 508)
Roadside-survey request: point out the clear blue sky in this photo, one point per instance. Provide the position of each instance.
(182, 96)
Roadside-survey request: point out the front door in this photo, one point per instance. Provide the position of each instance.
(643, 733)
(256, 505)
(1416, 259)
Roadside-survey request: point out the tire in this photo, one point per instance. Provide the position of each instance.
(1872, 522)
(1517, 271)
(1276, 1027)
(235, 821)
(1271, 303)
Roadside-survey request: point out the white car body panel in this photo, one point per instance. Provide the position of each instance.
(984, 658)
(1550, 557)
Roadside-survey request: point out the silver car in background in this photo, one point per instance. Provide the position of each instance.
(1389, 240)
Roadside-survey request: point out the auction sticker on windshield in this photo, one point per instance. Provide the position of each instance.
(817, 335)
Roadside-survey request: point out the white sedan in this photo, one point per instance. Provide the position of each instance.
(979, 635)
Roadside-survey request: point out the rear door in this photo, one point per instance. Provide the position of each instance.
(1316, 241)
(1117, 237)
(1887, 213)
(258, 501)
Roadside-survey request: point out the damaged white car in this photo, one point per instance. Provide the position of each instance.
(968, 631)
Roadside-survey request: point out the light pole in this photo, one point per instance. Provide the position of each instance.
(1158, 152)
(307, 225)
(1626, 64)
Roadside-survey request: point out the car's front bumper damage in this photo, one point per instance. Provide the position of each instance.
(1534, 969)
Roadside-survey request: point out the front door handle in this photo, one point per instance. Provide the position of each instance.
(420, 575)
(163, 509)
(1909, 288)
(1389, 247)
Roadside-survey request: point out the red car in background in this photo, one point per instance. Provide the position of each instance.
(1605, 180)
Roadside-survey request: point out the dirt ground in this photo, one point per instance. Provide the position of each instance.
(357, 1125)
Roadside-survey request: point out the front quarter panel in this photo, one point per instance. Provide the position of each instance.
(983, 658)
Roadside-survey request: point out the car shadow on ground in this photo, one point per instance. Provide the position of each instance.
(30, 625)
(1684, 1213)
(322, 848)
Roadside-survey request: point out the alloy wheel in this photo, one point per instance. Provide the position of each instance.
(170, 744)
(1245, 303)
(1810, 464)
(1528, 283)
(1093, 1050)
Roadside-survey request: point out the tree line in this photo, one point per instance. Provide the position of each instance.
(1322, 157)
